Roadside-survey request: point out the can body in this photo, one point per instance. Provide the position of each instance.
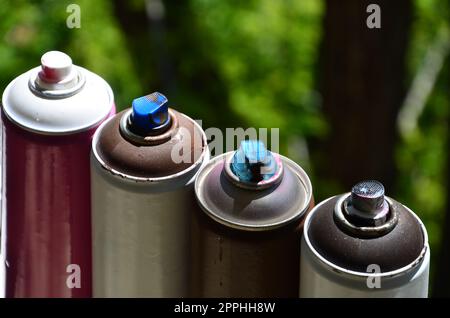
(232, 263)
(141, 241)
(318, 280)
(233, 259)
(141, 230)
(46, 139)
(48, 205)
(322, 276)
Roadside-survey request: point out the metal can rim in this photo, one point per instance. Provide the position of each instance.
(203, 157)
(301, 174)
(350, 273)
(59, 132)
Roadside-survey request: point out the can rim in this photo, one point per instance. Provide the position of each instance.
(128, 177)
(56, 132)
(364, 231)
(297, 170)
(60, 93)
(149, 140)
(351, 273)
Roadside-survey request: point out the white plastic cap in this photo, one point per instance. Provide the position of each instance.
(56, 67)
(75, 101)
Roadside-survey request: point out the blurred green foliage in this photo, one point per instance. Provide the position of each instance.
(422, 154)
(29, 28)
(254, 60)
(241, 63)
(266, 60)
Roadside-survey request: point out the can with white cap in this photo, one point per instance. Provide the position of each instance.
(49, 115)
(144, 163)
(246, 242)
(364, 244)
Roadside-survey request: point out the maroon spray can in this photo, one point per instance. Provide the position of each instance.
(49, 115)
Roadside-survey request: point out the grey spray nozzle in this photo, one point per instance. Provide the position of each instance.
(368, 196)
(366, 212)
(367, 205)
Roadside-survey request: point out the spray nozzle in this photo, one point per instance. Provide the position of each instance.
(252, 162)
(150, 113)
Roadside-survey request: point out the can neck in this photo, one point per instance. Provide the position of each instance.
(149, 121)
(365, 211)
(58, 77)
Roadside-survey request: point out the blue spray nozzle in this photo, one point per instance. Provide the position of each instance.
(252, 162)
(150, 112)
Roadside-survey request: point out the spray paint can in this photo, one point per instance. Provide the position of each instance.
(364, 244)
(49, 115)
(246, 242)
(142, 199)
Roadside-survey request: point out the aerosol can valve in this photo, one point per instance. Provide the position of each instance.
(56, 67)
(252, 162)
(57, 77)
(367, 205)
(150, 113)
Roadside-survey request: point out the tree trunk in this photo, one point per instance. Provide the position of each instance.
(441, 286)
(362, 84)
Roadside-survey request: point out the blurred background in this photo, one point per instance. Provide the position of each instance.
(351, 102)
